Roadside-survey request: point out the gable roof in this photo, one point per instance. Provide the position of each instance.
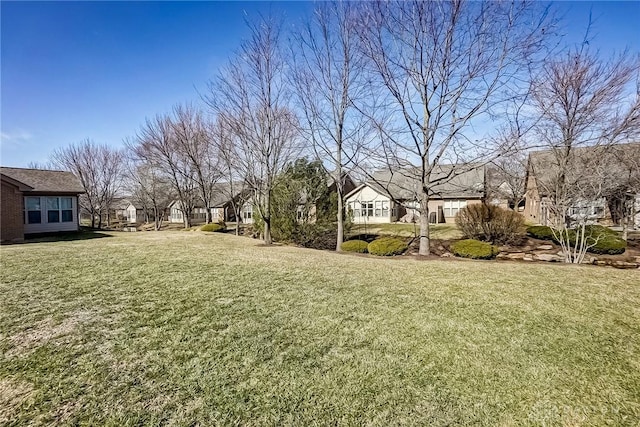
(544, 166)
(45, 181)
(448, 182)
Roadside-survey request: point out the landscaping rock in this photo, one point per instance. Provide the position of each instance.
(545, 247)
(446, 255)
(515, 255)
(624, 264)
(528, 257)
(548, 257)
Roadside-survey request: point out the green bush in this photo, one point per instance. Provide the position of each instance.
(541, 232)
(490, 223)
(359, 246)
(474, 249)
(387, 246)
(213, 227)
(609, 245)
(600, 240)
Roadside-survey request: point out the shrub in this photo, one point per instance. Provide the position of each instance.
(221, 223)
(318, 235)
(387, 246)
(600, 240)
(359, 246)
(609, 245)
(213, 227)
(490, 223)
(541, 232)
(474, 249)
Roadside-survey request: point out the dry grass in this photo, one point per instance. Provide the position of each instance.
(211, 329)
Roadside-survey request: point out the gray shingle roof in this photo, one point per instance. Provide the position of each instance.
(448, 182)
(221, 194)
(545, 164)
(45, 181)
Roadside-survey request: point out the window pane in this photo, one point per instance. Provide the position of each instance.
(53, 216)
(66, 203)
(67, 216)
(33, 217)
(53, 203)
(33, 204)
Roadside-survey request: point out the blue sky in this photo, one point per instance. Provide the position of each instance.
(75, 70)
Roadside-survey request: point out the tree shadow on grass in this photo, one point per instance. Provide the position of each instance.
(66, 236)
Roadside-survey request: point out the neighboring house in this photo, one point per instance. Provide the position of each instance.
(134, 213)
(391, 196)
(37, 201)
(617, 178)
(198, 214)
(222, 203)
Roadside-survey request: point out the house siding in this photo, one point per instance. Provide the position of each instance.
(11, 222)
(367, 194)
(48, 227)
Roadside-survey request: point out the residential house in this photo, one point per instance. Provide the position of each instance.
(198, 214)
(37, 201)
(613, 171)
(391, 196)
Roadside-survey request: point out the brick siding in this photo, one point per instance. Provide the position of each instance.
(11, 214)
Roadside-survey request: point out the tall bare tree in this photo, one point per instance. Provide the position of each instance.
(251, 95)
(156, 144)
(443, 70)
(328, 79)
(148, 185)
(234, 187)
(193, 142)
(587, 104)
(99, 169)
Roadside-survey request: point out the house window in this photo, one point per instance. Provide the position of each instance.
(34, 214)
(66, 209)
(53, 209)
(385, 209)
(247, 212)
(452, 207)
(354, 207)
(367, 209)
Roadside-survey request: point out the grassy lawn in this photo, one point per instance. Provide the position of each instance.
(211, 329)
(437, 231)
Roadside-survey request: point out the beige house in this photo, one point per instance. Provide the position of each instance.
(391, 196)
(613, 170)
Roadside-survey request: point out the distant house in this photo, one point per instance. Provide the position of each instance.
(37, 201)
(618, 174)
(391, 196)
(176, 215)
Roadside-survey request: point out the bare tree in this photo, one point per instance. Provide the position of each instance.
(234, 190)
(251, 96)
(328, 80)
(99, 169)
(506, 174)
(441, 71)
(149, 186)
(586, 105)
(192, 140)
(156, 144)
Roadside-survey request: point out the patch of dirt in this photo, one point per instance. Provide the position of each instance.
(12, 395)
(46, 330)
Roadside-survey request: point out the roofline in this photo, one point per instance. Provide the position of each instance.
(21, 185)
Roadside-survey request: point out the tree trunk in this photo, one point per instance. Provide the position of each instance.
(340, 216)
(425, 243)
(267, 231)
